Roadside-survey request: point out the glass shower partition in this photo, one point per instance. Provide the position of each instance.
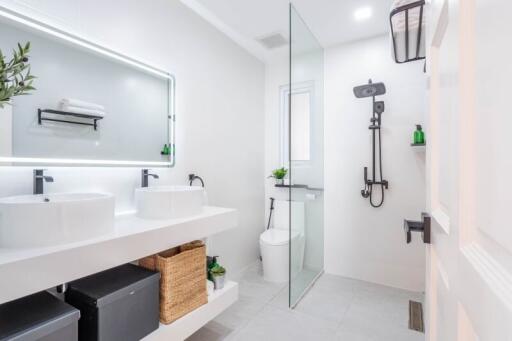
(306, 157)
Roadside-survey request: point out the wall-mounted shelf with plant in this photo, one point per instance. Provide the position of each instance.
(279, 174)
(15, 76)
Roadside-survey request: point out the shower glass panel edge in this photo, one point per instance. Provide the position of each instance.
(305, 157)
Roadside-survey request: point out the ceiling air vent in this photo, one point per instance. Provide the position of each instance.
(273, 41)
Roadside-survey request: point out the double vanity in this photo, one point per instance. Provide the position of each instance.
(40, 220)
(47, 240)
(50, 239)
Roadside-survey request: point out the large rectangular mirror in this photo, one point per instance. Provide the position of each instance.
(90, 106)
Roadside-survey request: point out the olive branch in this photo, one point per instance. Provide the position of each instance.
(15, 77)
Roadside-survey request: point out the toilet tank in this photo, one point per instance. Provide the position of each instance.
(281, 215)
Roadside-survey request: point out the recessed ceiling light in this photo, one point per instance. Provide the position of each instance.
(363, 13)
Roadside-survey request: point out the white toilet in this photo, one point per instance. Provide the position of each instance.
(274, 243)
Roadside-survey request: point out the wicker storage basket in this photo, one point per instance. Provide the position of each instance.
(183, 279)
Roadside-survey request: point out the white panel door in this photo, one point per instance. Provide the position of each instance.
(469, 263)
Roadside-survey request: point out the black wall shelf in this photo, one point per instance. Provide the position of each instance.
(418, 144)
(41, 118)
(300, 186)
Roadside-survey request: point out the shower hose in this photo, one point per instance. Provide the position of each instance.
(379, 204)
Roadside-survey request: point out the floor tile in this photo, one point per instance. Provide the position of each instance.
(378, 318)
(281, 300)
(253, 286)
(335, 308)
(213, 331)
(335, 284)
(240, 313)
(273, 324)
(382, 305)
(325, 305)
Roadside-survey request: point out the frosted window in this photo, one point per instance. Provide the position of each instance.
(300, 127)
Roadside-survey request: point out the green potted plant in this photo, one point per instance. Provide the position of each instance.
(279, 174)
(15, 77)
(218, 274)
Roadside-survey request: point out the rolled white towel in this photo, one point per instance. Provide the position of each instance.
(84, 111)
(70, 102)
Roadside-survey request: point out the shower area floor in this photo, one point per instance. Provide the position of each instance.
(335, 308)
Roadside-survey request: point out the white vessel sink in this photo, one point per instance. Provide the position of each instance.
(52, 219)
(167, 202)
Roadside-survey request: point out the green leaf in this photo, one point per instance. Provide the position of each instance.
(15, 75)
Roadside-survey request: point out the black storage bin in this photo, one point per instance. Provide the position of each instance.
(40, 317)
(117, 304)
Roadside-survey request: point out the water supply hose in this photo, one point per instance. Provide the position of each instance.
(270, 214)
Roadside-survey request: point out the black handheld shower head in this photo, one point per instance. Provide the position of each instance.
(378, 107)
(369, 90)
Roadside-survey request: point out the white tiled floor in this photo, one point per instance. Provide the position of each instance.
(336, 308)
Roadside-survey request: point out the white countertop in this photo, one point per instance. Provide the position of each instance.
(24, 271)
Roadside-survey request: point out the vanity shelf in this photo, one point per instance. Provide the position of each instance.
(187, 325)
(41, 118)
(132, 238)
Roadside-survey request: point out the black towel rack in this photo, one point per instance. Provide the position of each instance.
(94, 118)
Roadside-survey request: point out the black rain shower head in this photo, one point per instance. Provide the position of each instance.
(369, 90)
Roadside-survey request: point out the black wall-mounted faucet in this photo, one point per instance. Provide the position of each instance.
(39, 179)
(192, 177)
(145, 176)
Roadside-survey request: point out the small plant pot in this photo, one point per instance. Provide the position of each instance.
(218, 281)
(279, 181)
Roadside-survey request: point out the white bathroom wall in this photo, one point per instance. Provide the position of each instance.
(220, 105)
(360, 241)
(6, 131)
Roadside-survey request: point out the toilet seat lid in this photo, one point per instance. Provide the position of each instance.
(277, 237)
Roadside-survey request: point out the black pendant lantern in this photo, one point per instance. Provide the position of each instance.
(408, 30)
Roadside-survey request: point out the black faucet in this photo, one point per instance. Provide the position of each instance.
(192, 177)
(145, 176)
(39, 179)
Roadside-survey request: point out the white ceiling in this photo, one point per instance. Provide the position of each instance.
(331, 21)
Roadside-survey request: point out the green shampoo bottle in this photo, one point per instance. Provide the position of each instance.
(419, 135)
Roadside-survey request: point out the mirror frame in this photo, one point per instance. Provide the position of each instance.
(9, 16)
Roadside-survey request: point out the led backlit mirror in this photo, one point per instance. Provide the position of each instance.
(90, 106)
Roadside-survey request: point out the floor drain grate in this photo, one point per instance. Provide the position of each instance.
(416, 316)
